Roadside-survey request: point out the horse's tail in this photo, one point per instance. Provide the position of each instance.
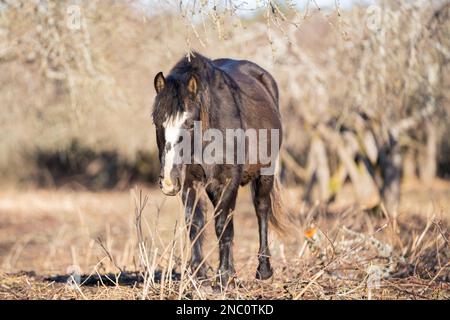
(280, 218)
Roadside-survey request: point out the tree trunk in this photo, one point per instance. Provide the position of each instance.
(322, 169)
(318, 171)
(428, 164)
(409, 166)
(390, 165)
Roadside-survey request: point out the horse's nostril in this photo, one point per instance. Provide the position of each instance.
(168, 183)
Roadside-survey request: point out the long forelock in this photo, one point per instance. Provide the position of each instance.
(168, 103)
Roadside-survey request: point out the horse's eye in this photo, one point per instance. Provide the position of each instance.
(180, 138)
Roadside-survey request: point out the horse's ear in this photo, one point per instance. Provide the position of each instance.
(192, 85)
(160, 82)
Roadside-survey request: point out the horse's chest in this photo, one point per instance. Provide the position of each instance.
(246, 178)
(221, 174)
(250, 172)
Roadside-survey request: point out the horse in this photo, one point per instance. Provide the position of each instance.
(219, 95)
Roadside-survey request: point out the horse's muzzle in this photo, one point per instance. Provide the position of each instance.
(168, 187)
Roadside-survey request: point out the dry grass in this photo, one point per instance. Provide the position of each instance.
(46, 233)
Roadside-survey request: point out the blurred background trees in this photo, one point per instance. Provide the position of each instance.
(364, 89)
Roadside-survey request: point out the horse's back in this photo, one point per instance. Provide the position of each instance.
(250, 77)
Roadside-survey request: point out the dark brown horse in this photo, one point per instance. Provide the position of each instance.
(219, 95)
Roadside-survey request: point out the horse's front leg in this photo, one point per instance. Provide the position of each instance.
(224, 200)
(194, 205)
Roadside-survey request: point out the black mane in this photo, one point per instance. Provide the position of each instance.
(197, 65)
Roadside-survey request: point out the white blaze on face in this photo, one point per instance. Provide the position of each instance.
(173, 127)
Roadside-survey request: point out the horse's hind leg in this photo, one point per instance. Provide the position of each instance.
(195, 220)
(261, 188)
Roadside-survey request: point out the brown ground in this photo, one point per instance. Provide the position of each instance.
(47, 234)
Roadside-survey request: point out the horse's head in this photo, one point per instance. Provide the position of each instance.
(175, 111)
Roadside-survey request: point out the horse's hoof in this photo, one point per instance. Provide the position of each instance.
(200, 273)
(264, 271)
(224, 280)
